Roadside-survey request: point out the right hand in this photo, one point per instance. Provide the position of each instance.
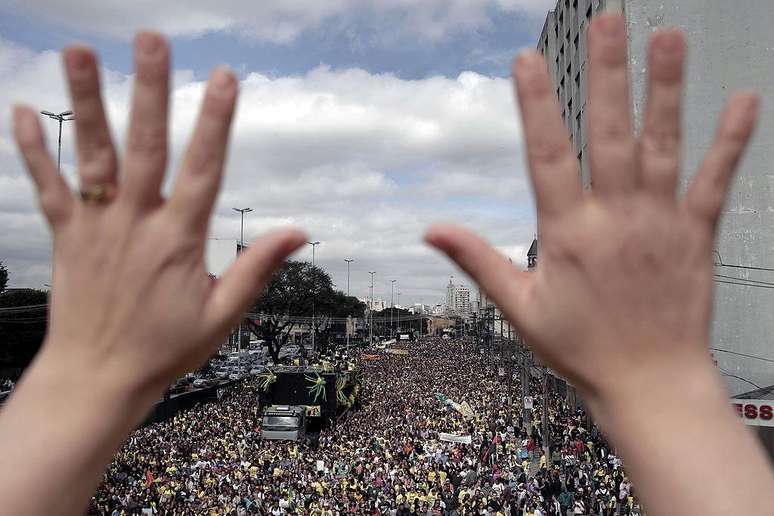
(131, 300)
(623, 290)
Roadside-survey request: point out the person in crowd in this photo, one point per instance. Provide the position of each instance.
(620, 305)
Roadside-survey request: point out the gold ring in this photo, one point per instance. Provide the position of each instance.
(98, 194)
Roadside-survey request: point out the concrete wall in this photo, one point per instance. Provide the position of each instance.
(731, 46)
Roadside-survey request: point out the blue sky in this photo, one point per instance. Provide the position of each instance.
(486, 50)
(362, 122)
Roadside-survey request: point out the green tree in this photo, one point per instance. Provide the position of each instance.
(23, 316)
(3, 277)
(293, 294)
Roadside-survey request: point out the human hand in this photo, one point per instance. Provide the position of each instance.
(131, 297)
(623, 291)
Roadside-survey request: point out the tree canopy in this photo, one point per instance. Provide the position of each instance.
(298, 290)
(3, 277)
(22, 331)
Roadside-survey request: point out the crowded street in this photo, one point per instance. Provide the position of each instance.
(383, 458)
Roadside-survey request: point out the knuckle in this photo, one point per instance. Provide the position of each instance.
(661, 140)
(148, 139)
(610, 129)
(546, 151)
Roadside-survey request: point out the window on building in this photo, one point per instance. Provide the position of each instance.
(575, 5)
(575, 42)
(569, 69)
(578, 122)
(588, 12)
(577, 81)
(569, 107)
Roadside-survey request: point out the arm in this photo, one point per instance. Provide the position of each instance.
(132, 307)
(621, 301)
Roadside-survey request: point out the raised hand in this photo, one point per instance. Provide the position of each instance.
(130, 288)
(625, 270)
(621, 300)
(132, 305)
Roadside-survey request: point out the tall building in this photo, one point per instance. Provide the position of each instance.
(457, 299)
(730, 47)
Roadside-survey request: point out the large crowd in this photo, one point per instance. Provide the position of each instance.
(386, 458)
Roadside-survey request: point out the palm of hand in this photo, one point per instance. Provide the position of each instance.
(625, 270)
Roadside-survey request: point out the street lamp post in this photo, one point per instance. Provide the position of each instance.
(348, 260)
(371, 311)
(392, 304)
(314, 293)
(242, 212)
(399, 312)
(64, 116)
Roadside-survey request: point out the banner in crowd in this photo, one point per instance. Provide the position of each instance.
(397, 351)
(312, 410)
(466, 410)
(370, 357)
(755, 412)
(463, 408)
(451, 438)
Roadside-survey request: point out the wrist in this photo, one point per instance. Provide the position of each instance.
(70, 370)
(652, 395)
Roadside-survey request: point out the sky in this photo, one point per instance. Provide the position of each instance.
(362, 122)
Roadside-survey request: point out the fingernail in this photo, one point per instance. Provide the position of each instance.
(751, 102)
(148, 42)
(222, 77)
(528, 60)
(77, 59)
(668, 42)
(611, 25)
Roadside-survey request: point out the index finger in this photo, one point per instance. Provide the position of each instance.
(552, 164)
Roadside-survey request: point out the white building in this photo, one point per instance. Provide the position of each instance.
(378, 304)
(419, 309)
(457, 299)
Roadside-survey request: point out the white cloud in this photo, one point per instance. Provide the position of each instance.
(362, 161)
(283, 22)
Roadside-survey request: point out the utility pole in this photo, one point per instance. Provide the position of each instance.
(399, 326)
(64, 116)
(242, 212)
(314, 290)
(526, 365)
(546, 420)
(371, 312)
(392, 304)
(348, 260)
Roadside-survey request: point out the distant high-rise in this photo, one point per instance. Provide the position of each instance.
(457, 299)
(730, 47)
